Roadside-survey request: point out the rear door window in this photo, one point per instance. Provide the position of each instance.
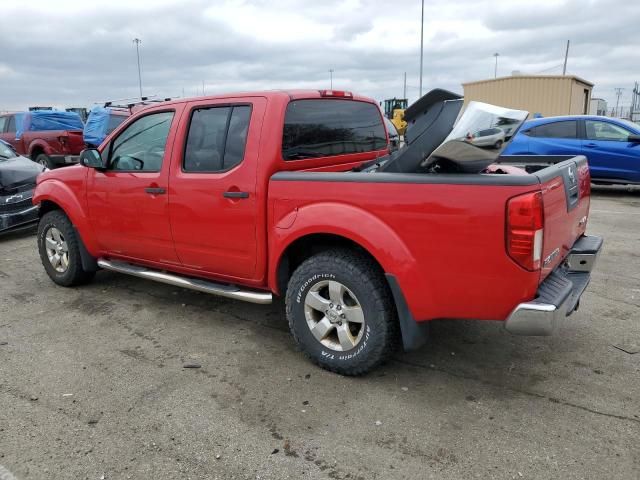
(217, 138)
(566, 129)
(324, 128)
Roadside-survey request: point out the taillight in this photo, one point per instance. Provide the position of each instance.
(525, 233)
(336, 93)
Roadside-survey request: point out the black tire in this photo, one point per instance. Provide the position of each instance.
(498, 144)
(44, 160)
(363, 279)
(74, 274)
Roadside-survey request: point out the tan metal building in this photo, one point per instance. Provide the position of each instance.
(548, 95)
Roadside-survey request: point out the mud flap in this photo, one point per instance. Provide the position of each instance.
(414, 334)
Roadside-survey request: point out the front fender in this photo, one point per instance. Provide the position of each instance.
(61, 194)
(353, 223)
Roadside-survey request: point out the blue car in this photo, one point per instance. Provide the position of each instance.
(611, 145)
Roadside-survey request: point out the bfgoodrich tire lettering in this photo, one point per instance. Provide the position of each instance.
(57, 238)
(341, 313)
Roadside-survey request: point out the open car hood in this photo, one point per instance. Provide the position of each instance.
(18, 171)
(437, 131)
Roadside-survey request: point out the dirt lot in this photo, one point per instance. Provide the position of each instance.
(92, 385)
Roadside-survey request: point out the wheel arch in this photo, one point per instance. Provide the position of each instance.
(37, 147)
(53, 195)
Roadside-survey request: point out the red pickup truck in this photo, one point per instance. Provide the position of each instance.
(295, 194)
(49, 137)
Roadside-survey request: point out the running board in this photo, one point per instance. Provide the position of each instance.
(228, 291)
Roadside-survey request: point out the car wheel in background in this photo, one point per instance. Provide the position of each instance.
(59, 250)
(341, 312)
(44, 160)
(498, 144)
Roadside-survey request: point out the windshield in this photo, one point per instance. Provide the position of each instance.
(6, 151)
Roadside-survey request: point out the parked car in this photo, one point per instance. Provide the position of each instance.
(101, 122)
(611, 145)
(49, 137)
(17, 183)
(256, 195)
(488, 137)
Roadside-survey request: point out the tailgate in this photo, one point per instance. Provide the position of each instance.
(566, 190)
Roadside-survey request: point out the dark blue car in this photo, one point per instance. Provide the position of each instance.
(611, 145)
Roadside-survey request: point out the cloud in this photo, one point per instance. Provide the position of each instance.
(73, 52)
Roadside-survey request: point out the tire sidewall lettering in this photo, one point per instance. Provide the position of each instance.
(307, 283)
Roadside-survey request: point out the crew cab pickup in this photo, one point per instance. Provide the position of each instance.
(295, 194)
(49, 137)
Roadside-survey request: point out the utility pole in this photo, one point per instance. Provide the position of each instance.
(203, 88)
(137, 41)
(618, 95)
(421, 45)
(495, 70)
(331, 78)
(566, 57)
(404, 90)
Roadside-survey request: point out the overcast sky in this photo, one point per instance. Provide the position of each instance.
(77, 52)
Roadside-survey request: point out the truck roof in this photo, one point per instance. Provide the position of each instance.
(293, 94)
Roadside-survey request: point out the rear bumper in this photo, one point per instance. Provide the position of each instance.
(559, 295)
(64, 159)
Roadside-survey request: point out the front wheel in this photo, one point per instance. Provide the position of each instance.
(498, 144)
(341, 313)
(58, 245)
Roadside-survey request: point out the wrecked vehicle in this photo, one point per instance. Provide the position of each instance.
(17, 183)
(296, 194)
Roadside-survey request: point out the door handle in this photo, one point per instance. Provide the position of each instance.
(235, 194)
(155, 190)
(591, 145)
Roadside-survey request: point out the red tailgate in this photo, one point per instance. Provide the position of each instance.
(566, 192)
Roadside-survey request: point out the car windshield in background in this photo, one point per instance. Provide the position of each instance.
(324, 128)
(6, 152)
(114, 122)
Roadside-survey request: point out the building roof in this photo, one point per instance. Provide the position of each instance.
(530, 77)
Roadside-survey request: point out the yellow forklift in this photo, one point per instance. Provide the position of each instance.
(394, 110)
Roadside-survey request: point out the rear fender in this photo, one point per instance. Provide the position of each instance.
(59, 193)
(352, 223)
(39, 144)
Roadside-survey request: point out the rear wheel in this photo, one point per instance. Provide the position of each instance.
(44, 160)
(341, 313)
(59, 250)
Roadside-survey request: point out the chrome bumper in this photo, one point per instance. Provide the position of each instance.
(559, 295)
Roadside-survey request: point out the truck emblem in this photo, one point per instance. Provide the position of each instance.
(14, 198)
(552, 256)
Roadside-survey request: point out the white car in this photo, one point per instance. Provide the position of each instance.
(490, 137)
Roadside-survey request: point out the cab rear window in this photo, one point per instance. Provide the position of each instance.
(324, 128)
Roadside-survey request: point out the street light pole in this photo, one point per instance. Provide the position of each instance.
(421, 44)
(137, 41)
(331, 78)
(495, 71)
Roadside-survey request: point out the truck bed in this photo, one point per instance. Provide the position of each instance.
(452, 225)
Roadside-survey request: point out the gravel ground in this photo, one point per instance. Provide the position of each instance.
(92, 385)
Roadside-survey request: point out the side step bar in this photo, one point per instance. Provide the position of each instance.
(228, 291)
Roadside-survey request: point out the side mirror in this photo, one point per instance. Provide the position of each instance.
(633, 138)
(90, 157)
